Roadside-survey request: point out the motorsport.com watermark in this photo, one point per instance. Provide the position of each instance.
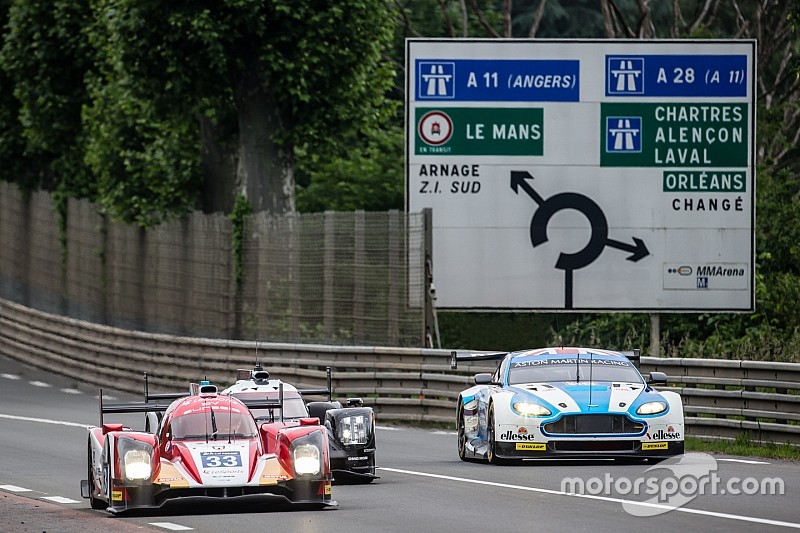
(671, 484)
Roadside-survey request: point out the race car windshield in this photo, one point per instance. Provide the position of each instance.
(198, 426)
(566, 369)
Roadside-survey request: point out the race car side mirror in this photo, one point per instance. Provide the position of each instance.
(484, 378)
(657, 378)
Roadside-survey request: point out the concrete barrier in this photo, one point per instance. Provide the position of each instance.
(722, 398)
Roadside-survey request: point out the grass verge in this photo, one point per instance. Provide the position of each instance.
(744, 447)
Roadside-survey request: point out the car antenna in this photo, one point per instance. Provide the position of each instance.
(206, 417)
(230, 419)
(591, 360)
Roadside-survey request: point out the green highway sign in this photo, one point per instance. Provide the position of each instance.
(674, 135)
(479, 131)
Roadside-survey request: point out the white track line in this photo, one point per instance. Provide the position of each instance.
(59, 499)
(14, 488)
(740, 518)
(171, 526)
(9, 376)
(45, 421)
(745, 461)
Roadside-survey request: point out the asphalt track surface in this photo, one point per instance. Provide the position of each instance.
(423, 485)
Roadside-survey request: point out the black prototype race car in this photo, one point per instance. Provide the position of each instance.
(351, 428)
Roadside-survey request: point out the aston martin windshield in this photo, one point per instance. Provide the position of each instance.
(540, 370)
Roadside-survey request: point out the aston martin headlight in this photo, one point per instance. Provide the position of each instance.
(306, 460)
(530, 409)
(354, 429)
(137, 462)
(651, 408)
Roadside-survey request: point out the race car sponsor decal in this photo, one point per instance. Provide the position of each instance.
(360, 458)
(170, 474)
(116, 495)
(327, 488)
(272, 472)
(655, 445)
(669, 434)
(571, 361)
(511, 436)
(217, 459)
(531, 446)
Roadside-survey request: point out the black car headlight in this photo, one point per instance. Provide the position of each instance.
(307, 454)
(136, 459)
(354, 429)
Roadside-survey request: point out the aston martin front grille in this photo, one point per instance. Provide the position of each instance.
(593, 425)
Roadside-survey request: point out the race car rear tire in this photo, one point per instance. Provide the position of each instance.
(95, 503)
(462, 432)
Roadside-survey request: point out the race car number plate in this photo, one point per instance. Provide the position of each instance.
(220, 459)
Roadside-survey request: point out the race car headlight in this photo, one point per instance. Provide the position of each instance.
(307, 453)
(651, 408)
(306, 460)
(530, 409)
(137, 464)
(354, 429)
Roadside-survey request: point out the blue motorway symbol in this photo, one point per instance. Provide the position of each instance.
(436, 80)
(624, 134)
(624, 75)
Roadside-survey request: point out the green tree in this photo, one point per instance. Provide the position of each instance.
(228, 88)
(44, 59)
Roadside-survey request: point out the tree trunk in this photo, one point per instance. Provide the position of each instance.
(264, 171)
(219, 160)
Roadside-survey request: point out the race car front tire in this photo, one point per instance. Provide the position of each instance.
(491, 445)
(95, 503)
(462, 432)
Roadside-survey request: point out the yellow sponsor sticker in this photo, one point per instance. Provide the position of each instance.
(655, 445)
(116, 495)
(327, 488)
(535, 446)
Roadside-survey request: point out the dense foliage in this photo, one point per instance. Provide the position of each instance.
(140, 105)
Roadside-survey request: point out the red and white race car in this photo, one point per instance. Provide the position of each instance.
(205, 445)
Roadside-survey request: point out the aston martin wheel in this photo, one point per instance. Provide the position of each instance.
(462, 432)
(490, 442)
(96, 503)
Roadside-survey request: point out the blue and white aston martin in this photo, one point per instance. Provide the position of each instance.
(566, 402)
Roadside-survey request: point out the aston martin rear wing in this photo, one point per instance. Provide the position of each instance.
(456, 356)
(634, 357)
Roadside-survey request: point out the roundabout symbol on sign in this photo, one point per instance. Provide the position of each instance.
(435, 128)
(569, 262)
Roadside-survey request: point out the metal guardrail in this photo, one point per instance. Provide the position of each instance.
(722, 398)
